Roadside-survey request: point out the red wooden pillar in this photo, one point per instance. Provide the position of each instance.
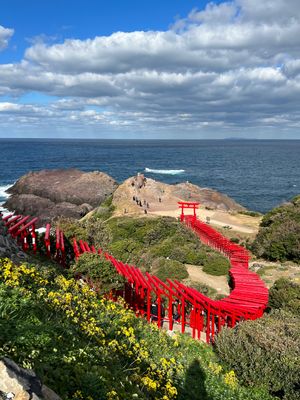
(47, 240)
(182, 315)
(24, 240)
(170, 312)
(212, 327)
(193, 320)
(208, 324)
(33, 236)
(62, 249)
(148, 304)
(159, 310)
(182, 214)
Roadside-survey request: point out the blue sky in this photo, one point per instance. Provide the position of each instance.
(62, 19)
(150, 69)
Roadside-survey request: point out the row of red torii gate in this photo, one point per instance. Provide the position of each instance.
(174, 302)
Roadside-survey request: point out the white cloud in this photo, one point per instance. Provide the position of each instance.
(234, 65)
(5, 35)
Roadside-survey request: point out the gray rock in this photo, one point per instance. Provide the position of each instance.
(49, 194)
(9, 247)
(22, 384)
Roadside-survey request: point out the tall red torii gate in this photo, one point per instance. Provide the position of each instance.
(188, 205)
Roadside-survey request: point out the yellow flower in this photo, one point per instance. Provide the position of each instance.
(150, 383)
(215, 368)
(112, 395)
(230, 379)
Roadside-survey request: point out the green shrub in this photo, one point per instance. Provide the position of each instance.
(99, 270)
(125, 250)
(105, 210)
(72, 228)
(251, 213)
(216, 265)
(171, 269)
(203, 288)
(285, 294)
(265, 352)
(97, 233)
(187, 253)
(279, 234)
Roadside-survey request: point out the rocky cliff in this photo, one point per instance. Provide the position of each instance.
(161, 196)
(49, 194)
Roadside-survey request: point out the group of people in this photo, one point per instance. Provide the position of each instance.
(154, 311)
(143, 204)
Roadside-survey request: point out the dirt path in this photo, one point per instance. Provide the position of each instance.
(238, 222)
(162, 199)
(217, 282)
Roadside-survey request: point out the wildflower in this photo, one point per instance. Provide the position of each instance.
(230, 379)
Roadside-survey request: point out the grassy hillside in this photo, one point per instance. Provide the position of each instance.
(86, 347)
(161, 245)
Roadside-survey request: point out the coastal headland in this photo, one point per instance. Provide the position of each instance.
(49, 194)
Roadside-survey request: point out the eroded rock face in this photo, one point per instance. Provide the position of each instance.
(208, 197)
(22, 384)
(49, 194)
(9, 247)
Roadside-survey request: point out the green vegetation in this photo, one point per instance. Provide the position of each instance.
(105, 210)
(148, 243)
(285, 294)
(205, 289)
(86, 347)
(99, 270)
(279, 234)
(265, 352)
(215, 264)
(251, 213)
(170, 269)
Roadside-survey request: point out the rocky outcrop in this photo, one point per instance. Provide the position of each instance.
(161, 196)
(206, 197)
(17, 383)
(9, 247)
(49, 194)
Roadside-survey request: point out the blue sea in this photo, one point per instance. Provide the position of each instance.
(259, 174)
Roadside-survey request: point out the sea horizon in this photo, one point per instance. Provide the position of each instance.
(258, 174)
(152, 139)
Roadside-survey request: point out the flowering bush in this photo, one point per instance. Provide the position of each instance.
(86, 347)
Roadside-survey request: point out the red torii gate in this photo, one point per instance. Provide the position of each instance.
(247, 300)
(188, 205)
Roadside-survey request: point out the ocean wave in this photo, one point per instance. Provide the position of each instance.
(3, 193)
(165, 171)
(4, 211)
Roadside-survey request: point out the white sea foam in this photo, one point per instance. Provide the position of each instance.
(3, 193)
(165, 171)
(4, 211)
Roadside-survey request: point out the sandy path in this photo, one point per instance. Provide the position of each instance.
(217, 282)
(240, 223)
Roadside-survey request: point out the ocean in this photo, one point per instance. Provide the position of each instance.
(259, 174)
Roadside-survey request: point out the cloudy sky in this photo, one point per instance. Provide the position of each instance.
(150, 69)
